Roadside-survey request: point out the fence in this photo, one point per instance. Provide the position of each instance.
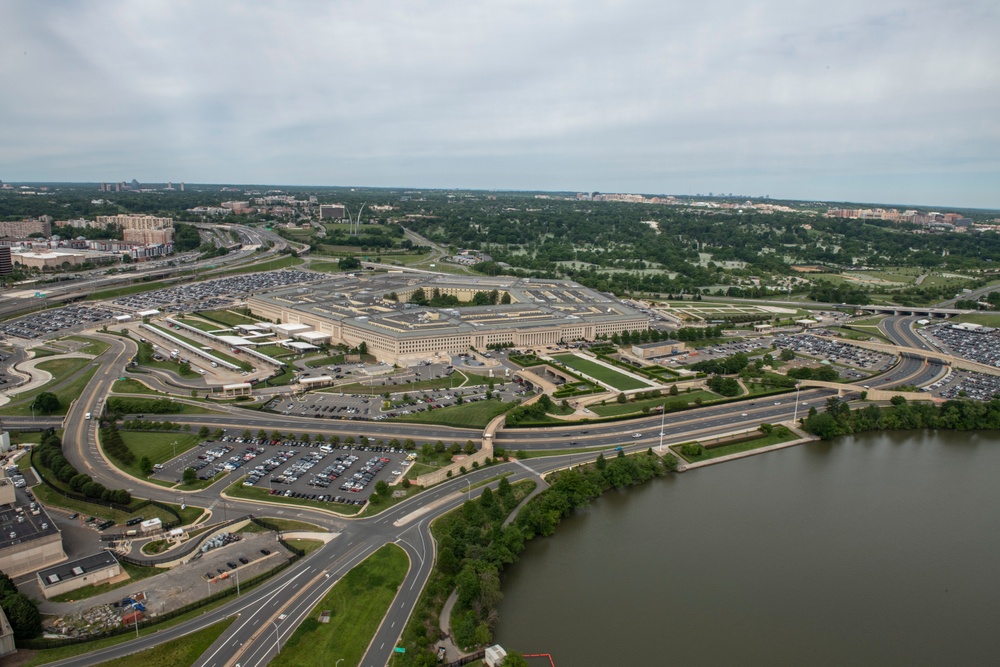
(41, 644)
(79, 497)
(478, 655)
(191, 545)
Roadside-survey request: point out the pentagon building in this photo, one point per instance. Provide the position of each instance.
(355, 309)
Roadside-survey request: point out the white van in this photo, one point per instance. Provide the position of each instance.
(87, 416)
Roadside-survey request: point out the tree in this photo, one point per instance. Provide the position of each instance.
(203, 432)
(674, 390)
(46, 403)
(382, 488)
(190, 476)
(786, 355)
(514, 659)
(22, 613)
(146, 466)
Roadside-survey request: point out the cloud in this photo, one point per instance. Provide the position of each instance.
(641, 95)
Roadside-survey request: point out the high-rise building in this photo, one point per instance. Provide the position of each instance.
(336, 211)
(6, 265)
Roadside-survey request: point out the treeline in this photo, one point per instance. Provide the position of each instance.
(474, 546)
(529, 413)
(439, 300)
(724, 386)
(822, 373)
(111, 441)
(21, 611)
(49, 455)
(725, 366)
(146, 425)
(960, 415)
(125, 406)
(827, 292)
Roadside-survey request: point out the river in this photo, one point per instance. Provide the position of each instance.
(881, 549)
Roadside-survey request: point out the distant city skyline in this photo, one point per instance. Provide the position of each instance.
(877, 101)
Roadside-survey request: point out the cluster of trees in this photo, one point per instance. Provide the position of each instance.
(822, 373)
(529, 413)
(439, 300)
(50, 455)
(837, 418)
(638, 337)
(725, 366)
(21, 611)
(824, 290)
(186, 237)
(145, 425)
(122, 406)
(698, 333)
(113, 444)
(724, 386)
(46, 402)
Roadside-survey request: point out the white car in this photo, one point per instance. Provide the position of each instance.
(743, 414)
(637, 435)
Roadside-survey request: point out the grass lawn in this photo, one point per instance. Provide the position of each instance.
(91, 345)
(271, 265)
(135, 288)
(61, 369)
(201, 325)
(600, 373)
(316, 362)
(275, 351)
(227, 318)
(132, 386)
(471, 415)
(49, 497)
(738, 447)
(356, 606)
(325, 267)
(868, 333)
(308, 546)
(237, 490)
(136, 573)
(682, 400)
(198, 644)
(979, 318)
(157, 446)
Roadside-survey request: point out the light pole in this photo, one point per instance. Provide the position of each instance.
(795, 414)
(663, 414)
(175, 448)
(277, 637)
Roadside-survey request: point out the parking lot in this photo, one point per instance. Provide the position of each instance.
(980, 344)
(964, 384)
(335, 471)
(836, 352)
(214, 293)
(372, 406)
(56, 321)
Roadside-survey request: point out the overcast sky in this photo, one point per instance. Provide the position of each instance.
(893, 101)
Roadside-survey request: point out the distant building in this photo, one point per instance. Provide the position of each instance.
(6, 265)
(334, 211)
(126, 221)
(19, 229)
(149, 236)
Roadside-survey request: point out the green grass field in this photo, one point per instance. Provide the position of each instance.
(227, 317)
(91, 345)
(132, 386)
(469, 415)
(682, 400)
(979, 318)
(135, 288)
(61, 369)
(737, 447)
(600, 373)
(356, 605)
(214, 352)
(177, 653)
(157, 446)
(271, 265)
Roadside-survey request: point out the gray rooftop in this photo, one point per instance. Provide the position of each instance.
(76, 568)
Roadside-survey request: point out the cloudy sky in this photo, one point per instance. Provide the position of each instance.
(892, 101)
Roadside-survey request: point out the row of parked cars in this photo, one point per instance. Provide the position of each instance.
(318, 497)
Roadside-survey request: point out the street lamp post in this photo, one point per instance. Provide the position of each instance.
(663, 415)
(795, 414)
(277, 637)
(175, 448)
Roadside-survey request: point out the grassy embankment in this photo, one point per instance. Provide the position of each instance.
(356, 606)
(601, 373)
(779, 436)
(75, 373)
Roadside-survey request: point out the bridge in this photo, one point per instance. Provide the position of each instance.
(871, 394)
(925, 312)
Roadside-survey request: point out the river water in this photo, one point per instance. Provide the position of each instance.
(882, 549)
